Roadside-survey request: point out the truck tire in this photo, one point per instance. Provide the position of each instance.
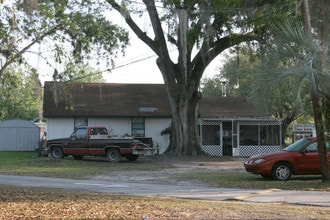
(113, 155)
(132, 157)
(57, 152)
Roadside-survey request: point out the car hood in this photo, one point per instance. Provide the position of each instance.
(273, 154)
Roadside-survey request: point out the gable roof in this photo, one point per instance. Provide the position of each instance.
(130, 100)
(230, 107)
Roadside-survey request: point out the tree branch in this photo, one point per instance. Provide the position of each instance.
(19, 53)
(135, 28)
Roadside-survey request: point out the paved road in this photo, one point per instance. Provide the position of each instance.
(178, 191)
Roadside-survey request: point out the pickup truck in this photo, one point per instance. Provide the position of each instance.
(96, 141)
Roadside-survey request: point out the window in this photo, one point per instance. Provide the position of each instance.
(80, 133)
(138, 127)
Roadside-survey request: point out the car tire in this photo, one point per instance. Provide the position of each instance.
(113, 155)
(282, 171)
(57, 152)
(132, 157)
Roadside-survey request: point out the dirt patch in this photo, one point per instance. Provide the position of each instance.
(173, 165)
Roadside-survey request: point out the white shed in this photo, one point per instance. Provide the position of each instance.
(19, 135)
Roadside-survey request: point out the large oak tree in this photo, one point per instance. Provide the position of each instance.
(199, 30)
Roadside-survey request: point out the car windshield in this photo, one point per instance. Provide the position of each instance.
(296, 146)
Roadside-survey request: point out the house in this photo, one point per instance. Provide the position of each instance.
(19, 135)
(227, 125)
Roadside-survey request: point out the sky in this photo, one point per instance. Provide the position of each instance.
(139, 66)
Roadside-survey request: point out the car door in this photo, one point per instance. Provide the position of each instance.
(309, 161)
(78, 144)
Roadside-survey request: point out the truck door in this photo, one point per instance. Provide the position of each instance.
(78, 144)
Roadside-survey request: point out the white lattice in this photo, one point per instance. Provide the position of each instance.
(248, 151)
(212, 150)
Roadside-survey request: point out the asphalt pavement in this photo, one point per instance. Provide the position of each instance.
(315, 198)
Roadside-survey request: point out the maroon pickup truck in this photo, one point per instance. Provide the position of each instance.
(95, 141)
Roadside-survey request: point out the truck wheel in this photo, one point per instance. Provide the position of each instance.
(132, 157)
(57, 153)
(113, 155)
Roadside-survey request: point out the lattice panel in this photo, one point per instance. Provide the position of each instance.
(275, 122)
(212, 122)
(248, 151)
(212, 150)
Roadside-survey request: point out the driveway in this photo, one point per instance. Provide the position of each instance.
(178, 191)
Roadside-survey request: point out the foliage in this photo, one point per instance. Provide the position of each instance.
(79, 72)
(70, 30)
(19, 95)
(300, 58)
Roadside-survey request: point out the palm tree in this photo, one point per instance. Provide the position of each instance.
(298, 57)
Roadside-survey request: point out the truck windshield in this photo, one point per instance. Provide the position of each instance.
(296, 146)
(80, 133)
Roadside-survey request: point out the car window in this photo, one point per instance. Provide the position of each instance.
(296, 146)
(327, 145)
(312, 147)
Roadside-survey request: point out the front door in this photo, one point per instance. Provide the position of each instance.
(227, 139)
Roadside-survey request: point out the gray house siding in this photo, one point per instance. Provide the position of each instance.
(19, 135)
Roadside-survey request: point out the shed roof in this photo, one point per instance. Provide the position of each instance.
(130, 100)
(17, 123)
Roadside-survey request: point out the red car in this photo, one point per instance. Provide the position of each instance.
(299, 158)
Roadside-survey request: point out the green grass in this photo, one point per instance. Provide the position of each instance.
(249, 181)
(27, 163)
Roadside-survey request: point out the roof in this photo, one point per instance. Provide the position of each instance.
(130, 100)
(17, 123)
(229, 107)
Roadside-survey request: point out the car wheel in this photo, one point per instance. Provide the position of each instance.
(132, 157)
(282, 171)
(57, 153)
(113, 155)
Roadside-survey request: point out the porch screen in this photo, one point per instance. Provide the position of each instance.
(211, 135)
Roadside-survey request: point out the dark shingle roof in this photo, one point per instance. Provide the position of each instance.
(229, 107)
(130, 100)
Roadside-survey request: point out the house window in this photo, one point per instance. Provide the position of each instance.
(138, 127)
(79, 122)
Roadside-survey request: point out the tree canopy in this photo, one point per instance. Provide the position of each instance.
(66, 31)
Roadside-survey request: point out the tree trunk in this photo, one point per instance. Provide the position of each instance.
(325, 174)
(317, 108)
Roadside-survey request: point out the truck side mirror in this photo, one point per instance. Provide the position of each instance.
(73, 136)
